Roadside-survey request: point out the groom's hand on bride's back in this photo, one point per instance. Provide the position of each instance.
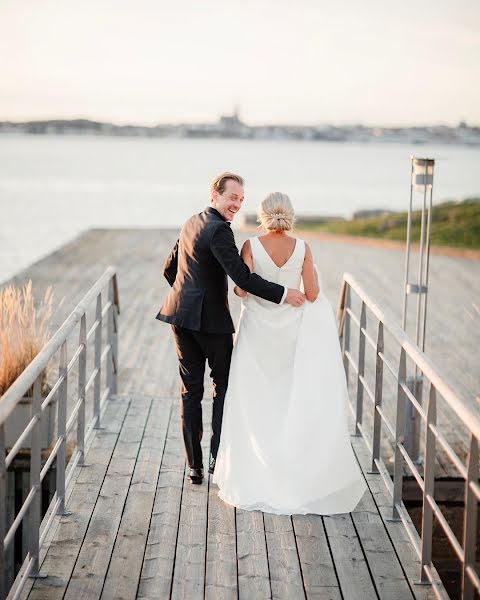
(295, 297)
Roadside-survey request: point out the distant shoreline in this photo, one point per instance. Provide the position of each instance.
(231, 127)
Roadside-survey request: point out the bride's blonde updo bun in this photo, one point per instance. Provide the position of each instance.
(276, 212)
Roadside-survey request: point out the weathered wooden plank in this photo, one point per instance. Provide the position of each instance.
(123, 574)
(91, 566)
(63, 550)
(253, 573)
(285, 573)
(189, 572)
(352, 569)
(316, 562)
(221, 572)
(157, 570)
(385, 569)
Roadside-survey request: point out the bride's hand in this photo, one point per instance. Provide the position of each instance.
(239, 292)
(295, 297)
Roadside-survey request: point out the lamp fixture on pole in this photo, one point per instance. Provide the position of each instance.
(421, 181)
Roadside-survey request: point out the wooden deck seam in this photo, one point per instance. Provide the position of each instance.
(268, 559)
(206, 531)
(176, 539)
(236, 547)
(298, 555)
(331, 556)
(367, 562)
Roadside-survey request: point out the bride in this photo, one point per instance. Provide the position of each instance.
(285, 445)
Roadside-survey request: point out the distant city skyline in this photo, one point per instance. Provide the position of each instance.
(305, 63)
(230, 126)
(237, 113)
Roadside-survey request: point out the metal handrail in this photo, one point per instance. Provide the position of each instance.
(31, 377)
(455, 401)
(19, 388)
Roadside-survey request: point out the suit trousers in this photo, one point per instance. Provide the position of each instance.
(194, 349)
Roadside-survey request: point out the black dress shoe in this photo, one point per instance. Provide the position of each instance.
(196, 475)
(211, 468)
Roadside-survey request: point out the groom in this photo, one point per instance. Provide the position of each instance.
(197, 309)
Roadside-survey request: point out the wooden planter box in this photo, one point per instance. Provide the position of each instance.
(19, 418)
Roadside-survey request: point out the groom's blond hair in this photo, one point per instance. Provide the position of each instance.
(220, 181)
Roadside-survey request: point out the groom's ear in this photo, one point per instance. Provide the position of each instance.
(214, 195)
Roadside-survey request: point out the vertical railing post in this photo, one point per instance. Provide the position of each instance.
(3, 513)
(35, 510)
(470, 521)
(35, 467)
(82, 376)
(62, 429)
(110, 328)
(361, 368)
(399, 436)
(97, 361)
(429, 483)
(115, 334)
(346, 331)
(377, 419)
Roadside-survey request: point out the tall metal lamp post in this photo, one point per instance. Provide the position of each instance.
(421, 180)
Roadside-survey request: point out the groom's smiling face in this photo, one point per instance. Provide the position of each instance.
(230, 202)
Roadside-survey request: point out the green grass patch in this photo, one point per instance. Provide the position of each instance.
(453, 224)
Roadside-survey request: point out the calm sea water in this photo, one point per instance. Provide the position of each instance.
(53, 187)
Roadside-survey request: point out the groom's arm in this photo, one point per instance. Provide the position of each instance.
(224, 249)
(171, 265)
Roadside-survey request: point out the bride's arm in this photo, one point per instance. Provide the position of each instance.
(309, 276)
(246, 254)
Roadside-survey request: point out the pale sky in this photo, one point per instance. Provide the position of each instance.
(303, 61)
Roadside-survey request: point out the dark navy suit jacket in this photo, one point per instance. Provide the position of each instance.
(197, 270)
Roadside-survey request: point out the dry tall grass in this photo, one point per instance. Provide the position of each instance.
(24, 330)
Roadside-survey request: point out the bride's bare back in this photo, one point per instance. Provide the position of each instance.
(280, 247)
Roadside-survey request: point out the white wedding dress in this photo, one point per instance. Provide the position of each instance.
(285, 446)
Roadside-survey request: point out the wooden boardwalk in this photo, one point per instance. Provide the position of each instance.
(138, 529)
